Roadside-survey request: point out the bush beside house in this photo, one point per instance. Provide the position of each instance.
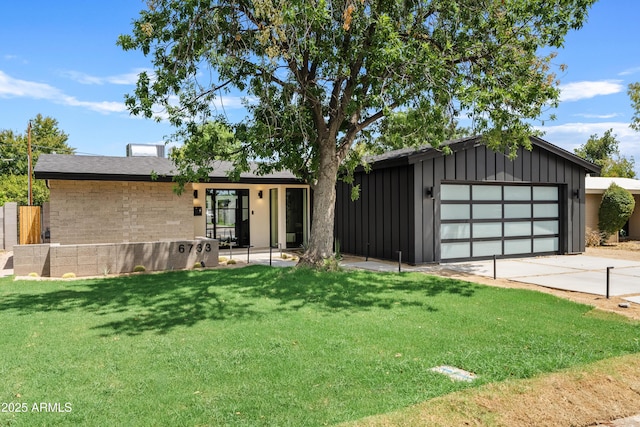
(615, 210)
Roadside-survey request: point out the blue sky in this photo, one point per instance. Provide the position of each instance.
(60, 59)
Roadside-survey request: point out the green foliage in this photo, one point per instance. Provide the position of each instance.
(634, 94)
(319, 78)
(139, 269)
(46, 137)
(15, 188)
(406, 128)
(261, 346)
(615, 209)
(605, 152)
(209, 143)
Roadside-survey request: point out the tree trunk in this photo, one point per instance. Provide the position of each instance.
(324, 202)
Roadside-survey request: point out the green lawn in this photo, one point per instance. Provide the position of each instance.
(267, 346)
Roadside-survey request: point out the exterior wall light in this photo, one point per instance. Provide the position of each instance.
(260, 194)
(429, 192)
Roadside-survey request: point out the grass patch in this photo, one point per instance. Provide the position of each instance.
(270, 346)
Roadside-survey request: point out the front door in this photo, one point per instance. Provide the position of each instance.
(296, 200)
(228, 216)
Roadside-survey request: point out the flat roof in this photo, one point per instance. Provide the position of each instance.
(599, 184)
(109, 168)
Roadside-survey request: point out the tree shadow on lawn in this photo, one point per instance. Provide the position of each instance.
(160, 302)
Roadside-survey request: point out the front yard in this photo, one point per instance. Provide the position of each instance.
(267, 346)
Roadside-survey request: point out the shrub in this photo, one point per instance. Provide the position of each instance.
(139, 269)
(231, 261)
(331, 264)
(615, 210)
(593, 238)
(69, 275)
(32, 274)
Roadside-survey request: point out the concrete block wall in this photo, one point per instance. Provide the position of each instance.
(95, 260)
(8, 226)
(114, 212)
(29, 259)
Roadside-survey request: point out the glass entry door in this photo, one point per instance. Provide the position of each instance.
(296, 201)
(273, 217)
(228, 217)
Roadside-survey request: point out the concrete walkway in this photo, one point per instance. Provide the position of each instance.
(6, 264)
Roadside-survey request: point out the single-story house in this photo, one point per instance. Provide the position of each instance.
(100, 199)
(595, 188)
(472, 204)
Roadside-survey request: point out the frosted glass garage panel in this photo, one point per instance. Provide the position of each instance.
(518, 228)
(517, 193)
(455, 250)
(546, 227)
(454, 211)
(488, 229)
(518, 246)
(545, 210)
(487, 192)
(487, 248)
(487, 211)
(545, 193)
(545, 244)
(455, 231)
(455, 192)
(517, 211)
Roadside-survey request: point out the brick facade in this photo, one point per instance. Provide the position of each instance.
(115, 212)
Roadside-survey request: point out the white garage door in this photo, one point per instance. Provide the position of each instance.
(483, 220)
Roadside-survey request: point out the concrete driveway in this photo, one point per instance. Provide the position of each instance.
(579, 273)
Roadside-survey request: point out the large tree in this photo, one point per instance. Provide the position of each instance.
(46, 137)
(605, 152)
(320, 76)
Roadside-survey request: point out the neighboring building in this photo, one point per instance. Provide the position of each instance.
(97, 199)
(596, 186)
(471, 204)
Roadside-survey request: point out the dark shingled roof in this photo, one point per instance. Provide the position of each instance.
(104, 168)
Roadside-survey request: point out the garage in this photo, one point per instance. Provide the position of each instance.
(482, 220)
(426, 206)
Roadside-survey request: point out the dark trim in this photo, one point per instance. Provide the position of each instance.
(481, 258)
(159, 178)
(427, 153)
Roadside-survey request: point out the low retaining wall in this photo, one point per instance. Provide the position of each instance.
(52, 260)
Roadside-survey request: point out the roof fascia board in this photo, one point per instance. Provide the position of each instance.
(560, 152)
(143, 178)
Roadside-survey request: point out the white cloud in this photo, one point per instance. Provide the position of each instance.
(597, 116)
(572, 135)
(629, 71)
(589, 89)
(16, 88)
(118, 79)
(12, 88)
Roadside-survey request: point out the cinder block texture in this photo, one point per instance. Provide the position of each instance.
(10, 226)
(100, 259)
(31, 259)
(115, 212)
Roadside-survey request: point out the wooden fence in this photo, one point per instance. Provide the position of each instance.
(29, 220)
